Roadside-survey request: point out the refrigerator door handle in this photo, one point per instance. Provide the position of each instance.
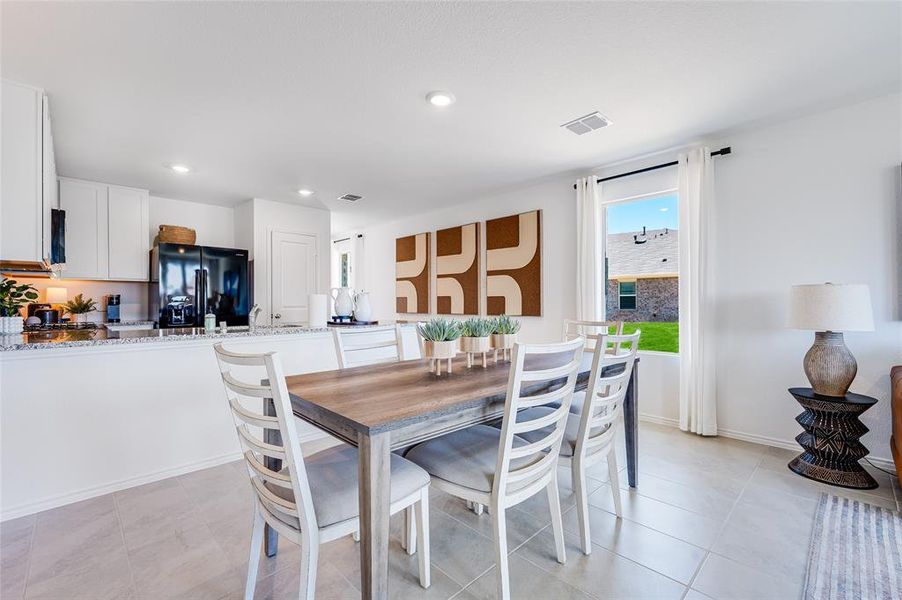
(198, 293)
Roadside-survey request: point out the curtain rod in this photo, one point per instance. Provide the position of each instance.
(721, 152)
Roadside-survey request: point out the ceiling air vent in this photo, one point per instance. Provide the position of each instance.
(350, 197)
(588, 123)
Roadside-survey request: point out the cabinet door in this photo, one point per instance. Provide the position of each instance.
(21, 218)
(129, 233)
(51, 184)
(87, 235)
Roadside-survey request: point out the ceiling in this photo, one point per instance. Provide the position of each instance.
(261, 99)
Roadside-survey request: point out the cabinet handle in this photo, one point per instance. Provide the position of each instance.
(277, 316)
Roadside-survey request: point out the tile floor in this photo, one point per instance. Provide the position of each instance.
(712, 518)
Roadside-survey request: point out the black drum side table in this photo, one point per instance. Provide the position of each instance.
(830, 439)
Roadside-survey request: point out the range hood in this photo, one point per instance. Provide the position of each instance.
(48, 267)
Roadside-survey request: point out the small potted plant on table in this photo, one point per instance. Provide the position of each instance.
(13, 296)
(439, 342)
(504, 336)
(474, 338)
(79, 306)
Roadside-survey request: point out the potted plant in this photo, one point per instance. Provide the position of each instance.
(439, 342)
(13, 296)
(78, 306)
(474, 338)
(504, 336)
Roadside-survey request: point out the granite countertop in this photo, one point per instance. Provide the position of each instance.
(43, 340)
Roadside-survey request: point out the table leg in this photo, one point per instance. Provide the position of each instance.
(375, 497)
(271, 436)
(631, 426)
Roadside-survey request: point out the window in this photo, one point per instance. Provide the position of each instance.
(642, 243)
(344, 268)
(627, 295)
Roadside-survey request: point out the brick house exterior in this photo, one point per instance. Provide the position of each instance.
(650, 274)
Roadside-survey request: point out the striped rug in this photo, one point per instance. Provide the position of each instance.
(856, 552)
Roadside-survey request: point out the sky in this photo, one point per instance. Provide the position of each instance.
(654, 213)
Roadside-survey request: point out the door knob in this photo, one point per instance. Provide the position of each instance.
(277, 316)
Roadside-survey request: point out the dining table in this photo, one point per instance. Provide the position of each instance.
(390, 406)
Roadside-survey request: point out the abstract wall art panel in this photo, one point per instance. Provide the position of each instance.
(412, 267)
(457, 270)
(514, 265)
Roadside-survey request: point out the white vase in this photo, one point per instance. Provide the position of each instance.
(363, 310)
(16, 324)
(344, 304)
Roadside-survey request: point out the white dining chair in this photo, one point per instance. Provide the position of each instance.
(355, 347)
(589, 436)
(314, 499)
(574, 328)
(500, 469)
(358, 347)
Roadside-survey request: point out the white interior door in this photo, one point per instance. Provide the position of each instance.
(292, 276)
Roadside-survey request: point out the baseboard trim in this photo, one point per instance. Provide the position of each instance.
(883, 463)
(92, 492)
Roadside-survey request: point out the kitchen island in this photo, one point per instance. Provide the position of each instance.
(86, 416)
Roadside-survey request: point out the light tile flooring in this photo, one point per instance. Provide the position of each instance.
(711, 518)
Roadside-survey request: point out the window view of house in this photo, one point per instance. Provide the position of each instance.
(642, 262)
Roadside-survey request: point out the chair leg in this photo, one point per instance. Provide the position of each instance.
(503, 575)
(614, 476)
(422, 526)
(557, 524)
(410, 529)
(309, 558)
(582, 504)
(253, 562)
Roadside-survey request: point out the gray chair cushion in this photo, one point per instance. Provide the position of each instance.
(333, 483)
(467, 457)
(571, 431)
(576, 405)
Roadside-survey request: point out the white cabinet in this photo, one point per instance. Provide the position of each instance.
(87, 230)
(22, 154)
(129, 233)
(107, 231)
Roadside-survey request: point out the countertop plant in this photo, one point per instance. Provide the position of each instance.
(15, 295)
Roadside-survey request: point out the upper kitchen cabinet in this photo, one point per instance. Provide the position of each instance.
(107, 231)
(27, 174)
(129, 213)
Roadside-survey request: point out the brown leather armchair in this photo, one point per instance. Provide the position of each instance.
(895, 377)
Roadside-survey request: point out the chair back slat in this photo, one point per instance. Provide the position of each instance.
(590, 330)
(370, 339)
(265, 423)
(602, 408)
(535, 463)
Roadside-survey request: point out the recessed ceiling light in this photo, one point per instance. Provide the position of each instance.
(182, 169)
(665, 209)
(440, 98)
(305, 192)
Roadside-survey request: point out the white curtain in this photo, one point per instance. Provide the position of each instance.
(698, 400)
(590, 244)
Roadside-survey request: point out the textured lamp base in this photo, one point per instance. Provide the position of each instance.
(829, 365)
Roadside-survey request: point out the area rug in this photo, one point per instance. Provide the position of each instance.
(855, 552)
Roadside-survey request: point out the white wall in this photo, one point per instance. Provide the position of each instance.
(555, 198)
(264, 216)
(811, 200)
(215, 225)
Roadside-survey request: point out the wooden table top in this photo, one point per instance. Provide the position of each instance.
(376, 398)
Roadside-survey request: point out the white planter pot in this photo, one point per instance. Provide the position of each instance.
(436, 352)
(11, 324)
(475, 345)
(503, 342)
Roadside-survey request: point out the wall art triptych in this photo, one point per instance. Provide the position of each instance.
(513, 267)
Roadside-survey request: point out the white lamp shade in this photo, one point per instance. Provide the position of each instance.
(831, 307)
(57, 295)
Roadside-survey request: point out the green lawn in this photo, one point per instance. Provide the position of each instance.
(663, 337)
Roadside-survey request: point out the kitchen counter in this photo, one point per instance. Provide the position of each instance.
(44, 340)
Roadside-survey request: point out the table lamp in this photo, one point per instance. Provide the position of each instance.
(828, 309)
(57, 295)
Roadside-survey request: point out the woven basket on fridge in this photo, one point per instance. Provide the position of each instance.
(174, 234)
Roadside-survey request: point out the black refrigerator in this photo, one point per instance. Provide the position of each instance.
(187, 282)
